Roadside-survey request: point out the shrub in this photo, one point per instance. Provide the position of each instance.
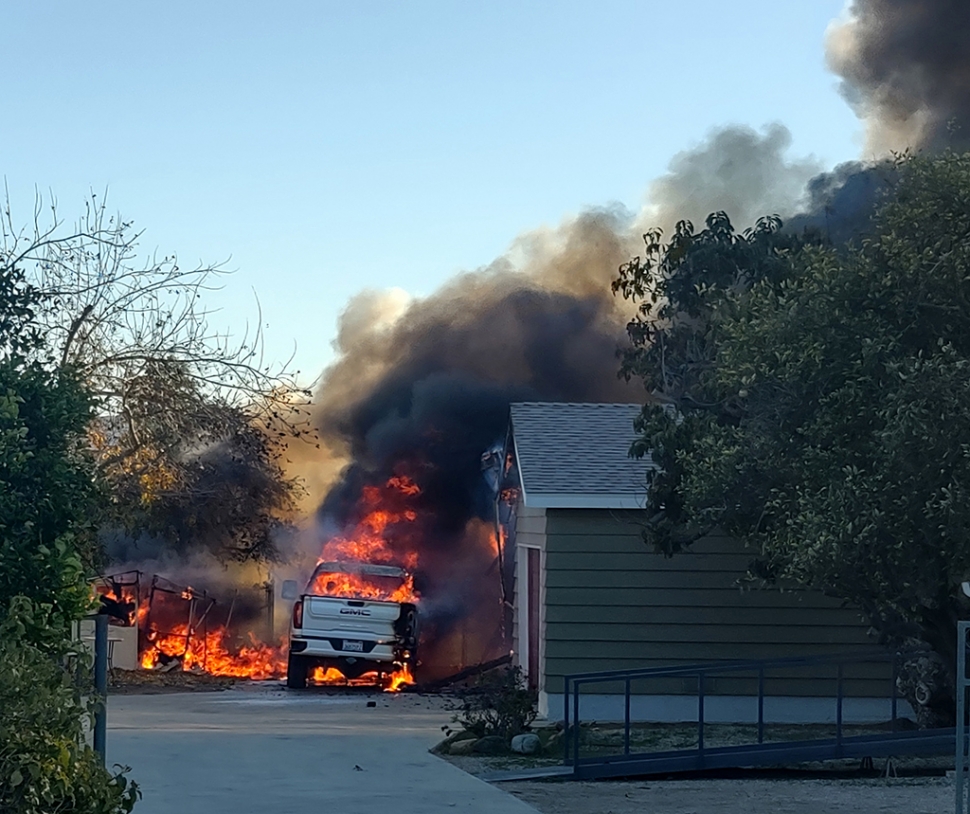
(45, 765)
(499, 703)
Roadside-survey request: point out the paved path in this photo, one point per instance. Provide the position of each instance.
(261, 749)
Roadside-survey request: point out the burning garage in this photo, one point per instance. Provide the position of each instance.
(589, 596)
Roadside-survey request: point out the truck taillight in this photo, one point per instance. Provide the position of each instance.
(298, 613)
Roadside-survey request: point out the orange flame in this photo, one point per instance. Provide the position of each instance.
(330, 675)
(400, 679)
(213, 653)
(368, 541)
(362, 587)
(209, 653)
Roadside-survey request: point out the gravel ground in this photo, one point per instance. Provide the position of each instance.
(739, 796)
(818, 789)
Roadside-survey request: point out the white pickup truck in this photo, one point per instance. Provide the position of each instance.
(350, 617)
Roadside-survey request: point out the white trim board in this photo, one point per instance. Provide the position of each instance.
(565, 500)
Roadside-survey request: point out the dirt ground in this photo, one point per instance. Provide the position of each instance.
(816, 788)
(928, 795)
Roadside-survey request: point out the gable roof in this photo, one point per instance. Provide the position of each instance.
(577, 456)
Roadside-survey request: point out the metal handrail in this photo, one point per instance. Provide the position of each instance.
(573, 682)
(740, 664)
(962, 742)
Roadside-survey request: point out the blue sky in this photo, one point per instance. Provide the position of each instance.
(327, 147)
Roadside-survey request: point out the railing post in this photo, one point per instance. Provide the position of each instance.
(576, 726)
(565, 719)
(700, 713)
(895, 678)
(101, 684)
(626, 720)
(960, 764)
(761, 704)
(838, 706)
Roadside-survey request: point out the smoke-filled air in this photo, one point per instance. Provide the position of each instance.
(419, 388)
(905, 69)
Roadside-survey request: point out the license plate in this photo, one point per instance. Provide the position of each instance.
(357, 647)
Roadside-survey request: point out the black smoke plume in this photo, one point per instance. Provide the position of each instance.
(905, 66)
(427, 395)
(422, 388)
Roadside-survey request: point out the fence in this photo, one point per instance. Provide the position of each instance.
(748, 713)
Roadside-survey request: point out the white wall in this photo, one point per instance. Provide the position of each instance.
(122, 644)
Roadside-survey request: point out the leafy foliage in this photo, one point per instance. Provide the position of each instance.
(499, 703)
(47, 489)
(45, 765)
(829, 426)
(171, 389)
(683, 289)
(47, 498)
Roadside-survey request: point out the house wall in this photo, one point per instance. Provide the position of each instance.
(610, 603)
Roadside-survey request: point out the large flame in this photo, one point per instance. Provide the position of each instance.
(383, 510)
(363, 586)
(208, 653)
(217, 652)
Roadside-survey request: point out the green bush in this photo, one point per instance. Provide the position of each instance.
(49, 502)
(45, 766)
(47, 495)
(499, 703)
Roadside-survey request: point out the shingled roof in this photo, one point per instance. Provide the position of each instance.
(577, 456)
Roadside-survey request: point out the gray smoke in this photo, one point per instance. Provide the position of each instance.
(905, 66)
(422, 387)
(539, 322)
(736, 170)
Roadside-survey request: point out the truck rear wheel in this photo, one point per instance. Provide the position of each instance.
(296, 670)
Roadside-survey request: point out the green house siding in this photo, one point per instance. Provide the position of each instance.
(611, 603)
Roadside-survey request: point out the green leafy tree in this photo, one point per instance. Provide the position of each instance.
(682, 290)
(48, 494)
(48, 499)
(829, 425)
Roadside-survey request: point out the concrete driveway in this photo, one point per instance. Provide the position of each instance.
(262, 749)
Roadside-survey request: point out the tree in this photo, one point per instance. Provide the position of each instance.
(170, 388)
(48, 496)
(45, 764)
(219, 488)
(47, 485)
(829, 427)
(682, 289)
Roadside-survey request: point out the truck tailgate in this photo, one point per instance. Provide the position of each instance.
(332, 614)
